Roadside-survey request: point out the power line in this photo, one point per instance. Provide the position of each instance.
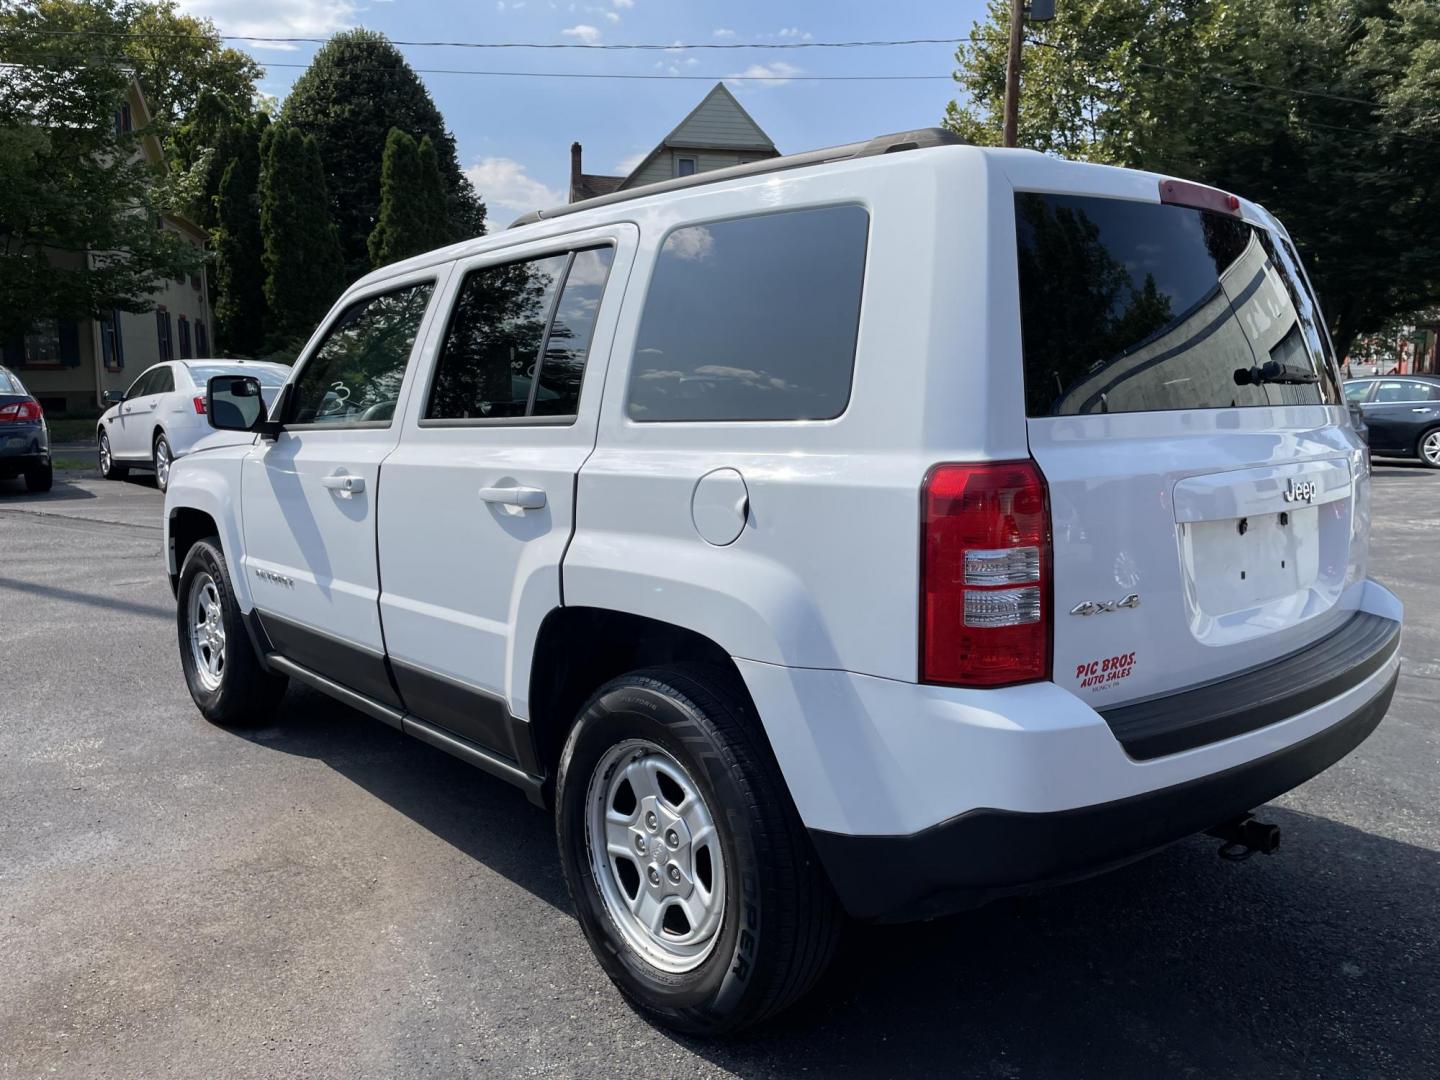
(675, 46)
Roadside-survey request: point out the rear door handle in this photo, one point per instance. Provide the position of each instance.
(526, 498)
(1422, 410)
(346, 484)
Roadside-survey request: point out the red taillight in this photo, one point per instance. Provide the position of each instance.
(1184, 193)
(985, 575)
(199, 406)
(21, 412)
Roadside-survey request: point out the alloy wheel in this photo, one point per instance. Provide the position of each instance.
(1430, 448)
(105, 460)
(162, 463)
(656, 856)
(207, 632)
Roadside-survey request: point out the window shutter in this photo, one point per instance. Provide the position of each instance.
(13, 351)
(69, 343)
(119, 342)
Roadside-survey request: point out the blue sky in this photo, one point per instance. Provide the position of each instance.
(514, 134)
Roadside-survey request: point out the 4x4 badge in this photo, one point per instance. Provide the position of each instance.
(1301, 492)
(1095, 607)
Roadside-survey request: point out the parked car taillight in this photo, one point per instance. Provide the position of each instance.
(21, 412)
(199, 405)
(985, 575)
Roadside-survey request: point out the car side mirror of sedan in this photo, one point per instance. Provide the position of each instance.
(234, 403)
(113, 397)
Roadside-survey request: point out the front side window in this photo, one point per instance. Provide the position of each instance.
(752, 319)
(519, 337)
(1128, 306)
(354, 374)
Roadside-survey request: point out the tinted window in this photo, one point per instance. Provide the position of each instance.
(1393, 392)
(491, 367)
(752, 319)
(1129, 306)
(354, 375)
(1357, 391)
(141, 386)
(161, 381)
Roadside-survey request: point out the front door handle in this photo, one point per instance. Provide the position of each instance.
(526, 498)
(1422, 410)
(344, 483)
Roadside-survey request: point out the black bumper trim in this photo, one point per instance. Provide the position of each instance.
(986, 853)
(1257, 698)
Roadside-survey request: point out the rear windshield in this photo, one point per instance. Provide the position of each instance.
(269, 377)
(1136, 307)
(9, 384)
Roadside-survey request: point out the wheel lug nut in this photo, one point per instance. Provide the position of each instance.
(672, 838)
(640, 844)
(651, 821)
(654, 876)
(674, 873)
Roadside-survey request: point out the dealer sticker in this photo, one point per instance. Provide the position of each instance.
(1098, 674)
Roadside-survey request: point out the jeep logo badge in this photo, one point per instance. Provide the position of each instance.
(1301, 492)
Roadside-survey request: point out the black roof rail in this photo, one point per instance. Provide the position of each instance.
(920, 139)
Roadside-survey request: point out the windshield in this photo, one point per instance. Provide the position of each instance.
(1131, 307)
(268, 376)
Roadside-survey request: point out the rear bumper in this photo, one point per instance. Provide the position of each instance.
(988, 853)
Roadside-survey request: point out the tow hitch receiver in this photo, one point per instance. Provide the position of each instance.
(1243, 836)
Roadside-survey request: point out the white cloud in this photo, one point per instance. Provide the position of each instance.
(693, 244)
(275, 18)
(612, 16)
(777, 74)
(794, 32)
(630, 164)
(722, 32)
(585, 33)
(623, 3)
(503, 182)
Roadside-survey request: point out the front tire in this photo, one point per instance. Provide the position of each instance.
(225, 677)
(108, 469)
(692, 876)
(162, 459)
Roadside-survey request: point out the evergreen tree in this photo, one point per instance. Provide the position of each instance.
(357, 88)
(301, 249)
(402, 230)
(239, 263)
(432, 198)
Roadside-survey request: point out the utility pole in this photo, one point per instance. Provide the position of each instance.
(1037, 11)
(1012, 72)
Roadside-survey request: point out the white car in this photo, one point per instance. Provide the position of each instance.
(873, 531)
(162, 415)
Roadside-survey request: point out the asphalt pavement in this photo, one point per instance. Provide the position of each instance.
(327, 898)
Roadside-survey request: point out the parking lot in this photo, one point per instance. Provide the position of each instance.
(324, 897)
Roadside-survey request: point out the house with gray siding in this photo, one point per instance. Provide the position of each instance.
(717, 133)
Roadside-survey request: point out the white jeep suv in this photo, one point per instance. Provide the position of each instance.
(873, 531)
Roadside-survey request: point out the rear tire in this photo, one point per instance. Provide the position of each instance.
(767, 926)
(161, 458)
(225, 677)
(1428, 448)
(41, 478)
(108, 469)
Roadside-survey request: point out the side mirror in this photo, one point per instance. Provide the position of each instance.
(234, 403)
(113, 397)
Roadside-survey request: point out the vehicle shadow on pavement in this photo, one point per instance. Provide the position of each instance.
(486, 818)
(13, 491)
(1304, 962)
(1319, 960)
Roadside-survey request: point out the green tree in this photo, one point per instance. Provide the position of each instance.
(239, 251)
(301, 248)
(1350, 162)
(401, 230)
(433, 209)
(79, 198)
(357, 88)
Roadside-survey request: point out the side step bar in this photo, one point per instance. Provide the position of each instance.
(412, 725)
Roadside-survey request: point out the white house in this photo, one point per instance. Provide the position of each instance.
(67, 364)
(717, 133)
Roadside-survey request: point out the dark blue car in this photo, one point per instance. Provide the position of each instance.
(1402, 413)
(24, 438)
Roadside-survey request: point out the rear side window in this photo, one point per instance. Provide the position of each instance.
(519, 337)
(9, 384)
(354, 375)
(752, 319)
(1131, 307)
(162, 381)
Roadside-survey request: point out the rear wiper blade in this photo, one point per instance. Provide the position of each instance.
(1272, 371)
